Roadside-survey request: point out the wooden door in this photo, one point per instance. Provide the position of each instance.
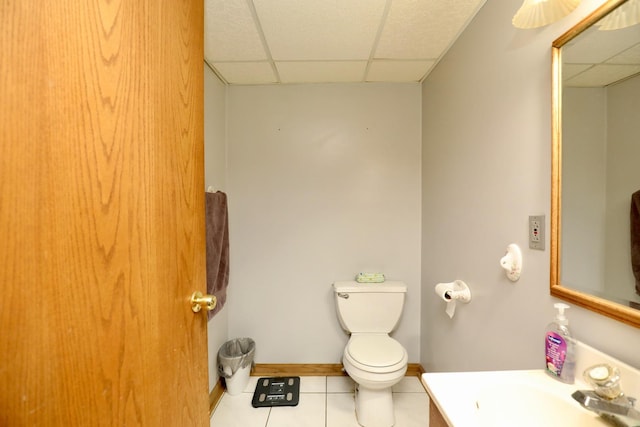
(101, 213)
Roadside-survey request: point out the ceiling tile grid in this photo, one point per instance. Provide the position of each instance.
(602, 75)
(598, 58)
(251, 73)
(327, 41)
(629, 56)
(398, 71)
(321, 71)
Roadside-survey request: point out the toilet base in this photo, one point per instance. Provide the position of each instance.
(374, 408)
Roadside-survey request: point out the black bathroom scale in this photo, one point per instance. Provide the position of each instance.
(276, 391)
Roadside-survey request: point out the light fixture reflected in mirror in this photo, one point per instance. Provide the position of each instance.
(538, 13)
(624, 16)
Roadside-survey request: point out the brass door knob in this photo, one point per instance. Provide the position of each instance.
(199, 301)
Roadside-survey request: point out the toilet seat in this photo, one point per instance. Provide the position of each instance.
(376, 353)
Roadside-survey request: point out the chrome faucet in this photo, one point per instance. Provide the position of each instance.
(607, 399)
(613, 410)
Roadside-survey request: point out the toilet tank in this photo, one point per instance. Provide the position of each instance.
(369, 307)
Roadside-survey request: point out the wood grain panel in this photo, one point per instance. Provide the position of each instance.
(214, 396)
(435, 417)
(101, 177)
(314, 369)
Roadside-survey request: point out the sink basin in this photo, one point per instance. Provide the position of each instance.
(507, 399)
(532, 407)
(520, 398)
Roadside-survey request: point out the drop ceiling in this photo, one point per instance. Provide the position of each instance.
(599, 59)
(249, 42)
(601, 55)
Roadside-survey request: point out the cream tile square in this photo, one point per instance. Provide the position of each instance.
(310, 412)
(238, 42)
(340, 385)
(251, 385)
(409, 385)
(313, 384)
(326, 30)
(236, 411)
(411, 409)
(341, 410)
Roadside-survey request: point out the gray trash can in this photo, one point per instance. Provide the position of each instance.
(235, 359)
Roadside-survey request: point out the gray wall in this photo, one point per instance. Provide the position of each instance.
(600, 172)
(486, 168)
(584, 181)
(623, 179)
(324, 182)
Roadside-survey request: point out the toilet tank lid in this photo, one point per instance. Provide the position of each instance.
(353, 286)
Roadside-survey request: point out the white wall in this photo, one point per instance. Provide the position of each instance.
(215, 168)
(215, 117)
(486, 168)
(584, 180)
(623, 179)
(324, 182)
(600, 173)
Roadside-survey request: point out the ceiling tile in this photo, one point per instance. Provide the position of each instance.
(398, 71)
(321, 71)
(230, 32)
(246, 72)
(603, 75)
(330, 40)
(571, 70)
(320, 30)
(594, 46)
(629, 56)
(424, 29)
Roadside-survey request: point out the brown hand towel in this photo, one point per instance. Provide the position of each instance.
(217, 230)
(635, 237)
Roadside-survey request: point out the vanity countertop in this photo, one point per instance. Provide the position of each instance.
(462, 396)
(496, 398)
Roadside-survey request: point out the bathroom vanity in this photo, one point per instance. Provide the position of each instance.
(435, 417)
(504, 398)
(523, 398)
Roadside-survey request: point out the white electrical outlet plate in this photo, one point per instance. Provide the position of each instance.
(536, 232)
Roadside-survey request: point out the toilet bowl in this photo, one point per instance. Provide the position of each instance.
(377, 361)
(374, 360)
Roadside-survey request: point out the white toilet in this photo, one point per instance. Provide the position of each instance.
(374, 360)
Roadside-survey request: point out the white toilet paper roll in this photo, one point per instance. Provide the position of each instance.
(451, 293)
(443, 290)
(451, 309)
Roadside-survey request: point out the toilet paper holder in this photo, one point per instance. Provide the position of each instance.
(454, 291)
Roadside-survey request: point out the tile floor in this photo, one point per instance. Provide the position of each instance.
(324, 402)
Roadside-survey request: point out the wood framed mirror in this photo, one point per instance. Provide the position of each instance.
(596, 162)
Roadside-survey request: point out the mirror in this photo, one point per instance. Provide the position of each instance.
(596, 163)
